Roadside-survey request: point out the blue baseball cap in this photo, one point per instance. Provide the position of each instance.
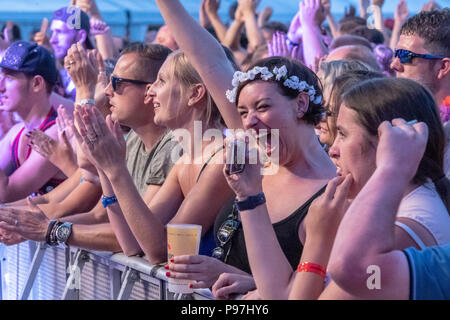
(32, 59)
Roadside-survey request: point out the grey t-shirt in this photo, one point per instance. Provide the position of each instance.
(149, 167)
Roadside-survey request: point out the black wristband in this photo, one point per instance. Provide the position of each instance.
(251, 202)
(49, 231)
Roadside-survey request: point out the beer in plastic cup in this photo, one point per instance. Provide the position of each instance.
(182, 239)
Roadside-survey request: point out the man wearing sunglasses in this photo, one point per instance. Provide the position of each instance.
(148, 158)
(423, 54)
(423, 51)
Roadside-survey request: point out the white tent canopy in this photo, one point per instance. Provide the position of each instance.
(136, 15)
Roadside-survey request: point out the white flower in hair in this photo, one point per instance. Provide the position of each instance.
(312, 92)
(266, 75)
(231, 95)
(280, 72)
(302, 85)
(251, 74)
(292, 82)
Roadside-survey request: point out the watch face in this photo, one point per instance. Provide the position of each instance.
(62, 233)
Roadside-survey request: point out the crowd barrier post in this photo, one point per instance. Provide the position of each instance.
(72, 288)
(34, 268)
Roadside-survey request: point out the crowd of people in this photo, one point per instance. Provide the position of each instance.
(104, 143)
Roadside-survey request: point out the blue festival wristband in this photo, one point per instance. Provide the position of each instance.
(107, 201)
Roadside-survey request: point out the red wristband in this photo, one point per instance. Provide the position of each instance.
(312, 267)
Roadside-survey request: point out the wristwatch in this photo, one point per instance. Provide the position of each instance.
(63, 232)
(250, 202)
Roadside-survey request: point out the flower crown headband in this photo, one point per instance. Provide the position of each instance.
(292, 82)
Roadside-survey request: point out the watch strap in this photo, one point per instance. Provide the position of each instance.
(251, 202)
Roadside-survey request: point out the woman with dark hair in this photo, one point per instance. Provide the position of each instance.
(422, 217)
(274, 94)
(423, 214)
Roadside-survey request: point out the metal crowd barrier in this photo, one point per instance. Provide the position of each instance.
(35, 271)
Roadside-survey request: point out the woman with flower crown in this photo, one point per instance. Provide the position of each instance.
(276, 93)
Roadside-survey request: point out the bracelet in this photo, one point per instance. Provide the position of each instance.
(312, 267)
(107, 201)
(52, 241)
(86, 101)
(49, 230)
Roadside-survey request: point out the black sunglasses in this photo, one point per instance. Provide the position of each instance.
(115, 81)
(225, 234)
(406, 56)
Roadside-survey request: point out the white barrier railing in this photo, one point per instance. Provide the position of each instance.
(35, 271)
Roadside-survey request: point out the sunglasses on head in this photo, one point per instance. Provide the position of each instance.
(116, 81)
(225, 234)
(406, 56)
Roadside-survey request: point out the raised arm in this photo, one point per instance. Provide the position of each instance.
(211, 8)
(400, 16)
(254, 34)
(205, 54)
(263, 249)
(334, 27)
(312, 15)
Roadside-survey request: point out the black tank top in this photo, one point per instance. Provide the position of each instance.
(286, 231)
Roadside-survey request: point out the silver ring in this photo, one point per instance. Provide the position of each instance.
(16, 222)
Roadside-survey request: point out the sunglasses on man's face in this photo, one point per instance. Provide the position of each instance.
(405, 56)
(115, 82)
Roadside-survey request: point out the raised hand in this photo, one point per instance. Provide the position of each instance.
(248, 182)
(430, 5)
(98, 27)
(312, 13)
(401, 12)
(279, 47)
(203, 16)
(326, 4)
(401, 143)
(248, 6)
(326, 211)
(378, 3)
(41, 37)
(264, 16)
(88, 6)
(101, 141)
(295, 29)
(212, 6)
(81, 69)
